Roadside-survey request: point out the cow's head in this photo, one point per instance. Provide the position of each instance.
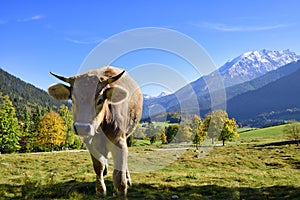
(91, 96)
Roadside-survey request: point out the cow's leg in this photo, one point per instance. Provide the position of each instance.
(101, 170)
(120, 153)
(128, 177)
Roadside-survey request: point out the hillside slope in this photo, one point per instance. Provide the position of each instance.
(280, 95)
(23, 94)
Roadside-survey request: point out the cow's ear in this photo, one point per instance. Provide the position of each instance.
(116, 94)
(60, 91)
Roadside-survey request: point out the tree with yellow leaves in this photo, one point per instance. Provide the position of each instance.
(198, 130)
(163, 137)
(229, 131)
(51, 132)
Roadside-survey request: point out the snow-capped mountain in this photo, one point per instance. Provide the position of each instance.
(146, 96)
(247, 67)
(253, 64)
(162, 94)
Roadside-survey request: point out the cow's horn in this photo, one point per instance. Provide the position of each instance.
(65, 79)
(113, 79)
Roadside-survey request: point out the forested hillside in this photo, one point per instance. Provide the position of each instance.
(280, 98)
(24, 95)
(31, 120)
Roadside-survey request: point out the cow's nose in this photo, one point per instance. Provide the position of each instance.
(84, 129)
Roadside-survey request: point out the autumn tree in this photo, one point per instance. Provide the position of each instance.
(229, 131)
(214, 122)
(51, 132)
(198, 130)
(184, 133)
(9, 126)
(163, 137)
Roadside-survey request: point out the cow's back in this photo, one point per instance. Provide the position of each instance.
(127, 114)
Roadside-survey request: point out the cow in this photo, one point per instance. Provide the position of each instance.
(106, 107)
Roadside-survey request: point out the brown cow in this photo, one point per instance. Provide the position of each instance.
(107, 106)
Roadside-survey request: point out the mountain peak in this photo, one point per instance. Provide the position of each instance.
(162, 94)
(253, 64)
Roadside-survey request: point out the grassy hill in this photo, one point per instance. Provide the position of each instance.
(273, 131)
(263, 135)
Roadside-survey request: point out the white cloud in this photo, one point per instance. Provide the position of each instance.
(238, 28)
(85, 41)
(33, 18)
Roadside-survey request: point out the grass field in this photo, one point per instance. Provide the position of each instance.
(263, 135)
(235, 171)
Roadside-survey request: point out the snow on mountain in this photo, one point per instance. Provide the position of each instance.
(146, 96)
(162, 94)
(243, 68)
(254, 64)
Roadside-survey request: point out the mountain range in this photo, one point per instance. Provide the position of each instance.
(258, 88)
(253, 64)
(247, 72)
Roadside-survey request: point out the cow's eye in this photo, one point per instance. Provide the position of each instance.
(100, 101)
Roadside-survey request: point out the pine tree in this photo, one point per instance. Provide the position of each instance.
(36, 116)
(171, 132)
(51, 132)
(9, 126)
(25, 121)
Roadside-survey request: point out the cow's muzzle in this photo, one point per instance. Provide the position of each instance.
(84, 129)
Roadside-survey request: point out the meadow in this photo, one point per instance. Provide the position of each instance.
(251, 168)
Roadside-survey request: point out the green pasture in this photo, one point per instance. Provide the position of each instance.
(242, 170)
(263, 135)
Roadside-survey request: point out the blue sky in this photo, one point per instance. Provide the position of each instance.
(41, 36)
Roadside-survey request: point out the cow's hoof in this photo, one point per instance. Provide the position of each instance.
(100, 189)
(101, 193)
(120, 195)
